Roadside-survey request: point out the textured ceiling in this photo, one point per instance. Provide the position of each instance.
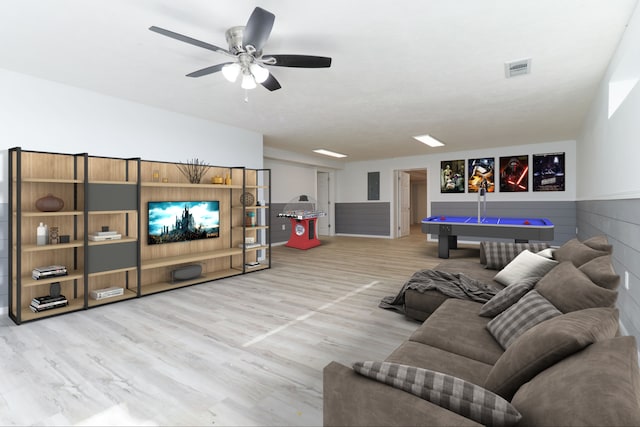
(399, 68)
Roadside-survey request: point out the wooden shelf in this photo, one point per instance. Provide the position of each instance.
(251, 207)
(166, 286)
(129, 211)
(182, 259)
(28, 281)
(74, 305)
(114, 182)
(56, 247)
(128, 294)
(119, 270)
(250, 228)
(188, 185)
(52, 181)
(112, 242)
(257, 248)
(47, 214)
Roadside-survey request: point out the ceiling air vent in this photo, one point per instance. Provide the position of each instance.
(517, 68)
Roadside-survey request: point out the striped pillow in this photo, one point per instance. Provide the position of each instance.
(507, 297)
(532, 309)
(446, 391)
(496, 255)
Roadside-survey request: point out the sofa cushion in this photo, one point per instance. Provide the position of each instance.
(598, 386)
(420, 355)
(600, 271)
(496, 255)
(600, 243)
(455, 394)
(507, 297)
(546, 344)
(526, 264)
(471, 338)
(576, 252)
(569, 289)
(523, 315)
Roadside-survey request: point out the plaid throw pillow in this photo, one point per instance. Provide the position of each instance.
(507, 297)
(532, 309)
(496, 255)
(446, 391)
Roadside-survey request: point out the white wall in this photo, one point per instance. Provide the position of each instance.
(352, 180)
(289, 180)
(41, 115)
(609, 147)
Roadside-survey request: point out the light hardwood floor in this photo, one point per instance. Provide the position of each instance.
(247, 350)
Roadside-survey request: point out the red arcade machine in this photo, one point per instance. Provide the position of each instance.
(303, 215)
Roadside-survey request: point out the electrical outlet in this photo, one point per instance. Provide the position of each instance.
(626, 280)
(284, 227)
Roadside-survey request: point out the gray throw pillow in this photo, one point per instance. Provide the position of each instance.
(548, 343)
(600, 243)
(455, 394)
(569, 289)
(507, 297)
(526, 264)
(600, 271)
(576, 252)
(520, 317)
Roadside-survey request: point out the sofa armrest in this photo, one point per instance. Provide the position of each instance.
(351, 399)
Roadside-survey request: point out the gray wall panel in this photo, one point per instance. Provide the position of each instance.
(112, 256)
(112, 197)
(619, 220)
(562, 214)
(372, 219)
(280, 227)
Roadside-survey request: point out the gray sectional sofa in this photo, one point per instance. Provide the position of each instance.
(544, 351)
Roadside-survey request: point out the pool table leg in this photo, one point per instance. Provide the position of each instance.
(446, 242)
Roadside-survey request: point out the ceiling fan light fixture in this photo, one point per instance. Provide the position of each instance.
(231, 71)
(248, 82)
(259, 73)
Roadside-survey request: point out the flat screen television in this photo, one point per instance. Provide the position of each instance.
(181, 221)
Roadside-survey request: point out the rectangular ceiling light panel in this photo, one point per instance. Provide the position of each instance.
(329, 153)
(429, 140)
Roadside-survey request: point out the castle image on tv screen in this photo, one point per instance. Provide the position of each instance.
(183, 221)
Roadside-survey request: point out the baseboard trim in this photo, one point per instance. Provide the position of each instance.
(374, 236)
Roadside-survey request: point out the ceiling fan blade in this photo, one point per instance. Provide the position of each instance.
(271, 83)
(208, 70)
(298, 61)
(189, 40)
(258, 28)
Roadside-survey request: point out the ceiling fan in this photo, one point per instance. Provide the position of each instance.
(245, 47)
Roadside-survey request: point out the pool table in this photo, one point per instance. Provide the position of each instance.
(448, 228)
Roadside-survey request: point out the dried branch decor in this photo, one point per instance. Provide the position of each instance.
(194, 170)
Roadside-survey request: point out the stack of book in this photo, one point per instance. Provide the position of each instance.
(101, 236)
(113, 291)
(48, 272)
(47, 302)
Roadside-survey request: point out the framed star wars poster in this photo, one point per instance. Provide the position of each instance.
(452, 176)
(548, 172)
(514, 174)
(481, 174)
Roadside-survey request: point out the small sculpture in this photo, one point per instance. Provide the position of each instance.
(49, 203)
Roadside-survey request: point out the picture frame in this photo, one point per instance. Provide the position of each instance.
(514, 174)
(452, 176)
(549, 172)
(481, 174)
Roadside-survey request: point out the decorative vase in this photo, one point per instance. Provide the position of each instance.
(49, 203)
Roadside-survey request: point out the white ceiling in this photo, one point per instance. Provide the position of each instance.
(399, 69)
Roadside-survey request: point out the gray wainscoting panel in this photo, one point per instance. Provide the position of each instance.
(280, 227)
(371, 219)
(562, 214)
(4, 255)
(619, 220)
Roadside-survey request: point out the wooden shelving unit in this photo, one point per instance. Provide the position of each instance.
(103, 193)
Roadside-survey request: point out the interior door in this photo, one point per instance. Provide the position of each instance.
(324, 222)
(404, 203)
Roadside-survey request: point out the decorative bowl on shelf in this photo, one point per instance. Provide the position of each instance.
(217, 180)
(49, 203)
